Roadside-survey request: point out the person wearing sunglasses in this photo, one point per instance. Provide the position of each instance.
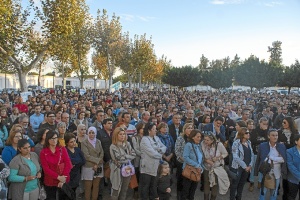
(242, 163)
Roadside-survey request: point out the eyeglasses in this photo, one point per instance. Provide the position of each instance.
(247, 132)
(53, 138)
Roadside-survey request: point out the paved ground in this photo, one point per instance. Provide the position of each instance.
(199, 195)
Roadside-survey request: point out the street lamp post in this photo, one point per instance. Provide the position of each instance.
(53, 73)
(95, 82)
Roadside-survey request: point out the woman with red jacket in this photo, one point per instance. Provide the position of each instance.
(56, 165)
(23, 108)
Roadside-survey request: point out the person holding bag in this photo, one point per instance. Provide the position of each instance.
(193, 159)
(242, 163)
(92, 171)
(274, 153)
(152, 150)
(56, 165)
(214, 153)
(120, 165)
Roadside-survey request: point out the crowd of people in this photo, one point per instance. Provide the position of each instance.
(67, 145)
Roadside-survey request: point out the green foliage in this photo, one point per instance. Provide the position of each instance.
(182, 76)
(123, 78)
(290, 77)
(276, 53)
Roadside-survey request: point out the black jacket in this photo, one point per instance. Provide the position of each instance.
(106, 141)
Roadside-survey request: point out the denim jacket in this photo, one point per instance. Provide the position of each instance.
(190, 157)
(238, 155)
(293, 164)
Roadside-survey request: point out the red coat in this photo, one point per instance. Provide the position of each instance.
(23, 108)
(49, 163)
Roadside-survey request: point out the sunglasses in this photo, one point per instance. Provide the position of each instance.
(247, 132)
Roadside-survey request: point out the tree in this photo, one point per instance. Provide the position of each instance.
(204, 63)
(291, 76)
(255, 73)
(276, 53)
(178, 76)
(107, 39)
(99, 67)
(16, 33)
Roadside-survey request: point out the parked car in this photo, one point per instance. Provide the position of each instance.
(36, 88)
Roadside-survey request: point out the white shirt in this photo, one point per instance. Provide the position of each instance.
(277, 160)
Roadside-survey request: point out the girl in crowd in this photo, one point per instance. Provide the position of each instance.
(179, 147)
(77, 159)
(242, 163)
(214, 153)
(10, 150)
(152, 150)
(163, 182)
(121, 154)
(56, 165)
(24, 173)
(92, 171)
(136, 140)
(81, 134)
(41, 136)
(192, 155)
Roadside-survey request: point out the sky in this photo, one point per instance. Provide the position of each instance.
(184, 30)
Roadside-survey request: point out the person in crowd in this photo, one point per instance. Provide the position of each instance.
(81, 134)
(109, 113)
(167, 140)
(279, 118)
(61, 130)
(92, 171)
(77, 159)
(70, 126)
(163, 182)
(58, 113)
(152, 150)
(136, 141)
(36, 119)
(3, 133)
(15, 114)
(50, 123)
(56, 165)
(41, 137)
(121, 154)
(192, 155)
(238, 125)
(216, 128)
(25, 171)
(276, 153)
(293, 165)
(11, 145)
(179, 147)
(258, 136)
(242, 163)
(81, 119)
(204, 122)
(22, 107)
(214, 153)
(175, 128)
(5, 119)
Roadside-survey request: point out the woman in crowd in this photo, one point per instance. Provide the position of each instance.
(179, 147)
(152, 150)
(18, 127)
(250, 126)
(41, 136)
(24, 173)
(121, 154)
(81, 119)
(73, 114)
(214, 153)
(15, 114)
(3, 133)
(92, 171)
(10, 150)
(192, 156)
(242, 163)
(23, 108)
(293, 164)
(56, 165)
(81, 134)
(276, 153)
(61, 130)
(58, 113)
(136, 140)
(109, 113)
(238, 126)
(205, 121)
(5, 119)
(286, 136)
(168, 141)
(77, 159)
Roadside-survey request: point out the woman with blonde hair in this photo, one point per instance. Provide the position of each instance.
(10, 150)
(179, 147)
(121, 154)
(81, 134)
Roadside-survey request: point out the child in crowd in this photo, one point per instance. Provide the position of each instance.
(163, 181)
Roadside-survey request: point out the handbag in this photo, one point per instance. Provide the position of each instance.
(60, 166)
(42, 194)
(265, 167)
(270, 181)
(66, 188)
(133, 182)
(191, 172)
(127, 169)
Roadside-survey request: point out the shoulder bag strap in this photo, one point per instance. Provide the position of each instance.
(216, 148)
(195, 152)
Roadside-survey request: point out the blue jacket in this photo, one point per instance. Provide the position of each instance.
(263, 152)
(168, 141)
(190, 158)
(210, 127)
(238, 155)
(8, 154)
(293, 164)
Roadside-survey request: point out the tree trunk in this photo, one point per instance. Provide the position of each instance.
(63, 76)
(105, 84)
(140, 79)
(81, 82)
(39, 76)
(130, 81)
(22, 80)
(289, 90)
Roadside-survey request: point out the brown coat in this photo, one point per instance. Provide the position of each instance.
(92, 155)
